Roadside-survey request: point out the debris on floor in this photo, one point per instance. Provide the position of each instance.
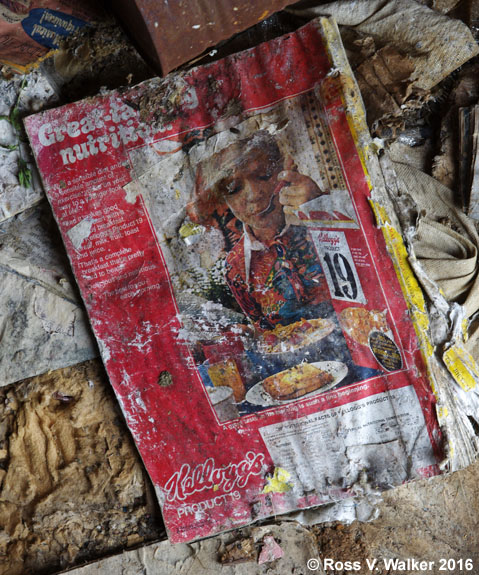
(73, 489)
(270, 551)
(20, 186)
(41, 309)
(469, 167)
(71, 484)
(298, 545)
(92, 59)
(239, 551)
(314, 355)
(31, 29)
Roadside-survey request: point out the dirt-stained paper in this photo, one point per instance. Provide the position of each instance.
(29, 29)
(437, 44)
(247, 310)
(43, 324)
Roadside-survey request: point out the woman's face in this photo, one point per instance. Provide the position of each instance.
(252, 195)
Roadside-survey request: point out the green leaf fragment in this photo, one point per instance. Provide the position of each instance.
(10, 147)
(24, 174)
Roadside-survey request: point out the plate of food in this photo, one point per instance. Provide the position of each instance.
(297, 382)
(359, 322)
(285, 338)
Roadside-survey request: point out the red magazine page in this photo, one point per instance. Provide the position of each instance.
(248, 314)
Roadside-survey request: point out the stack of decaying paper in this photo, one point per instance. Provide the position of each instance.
(469, 166)
(401, 50)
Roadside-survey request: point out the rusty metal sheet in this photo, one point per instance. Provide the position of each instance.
(172, 33)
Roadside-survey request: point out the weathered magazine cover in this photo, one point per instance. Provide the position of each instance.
(248, 313)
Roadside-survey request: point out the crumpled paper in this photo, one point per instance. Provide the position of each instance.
(437, 44)
(445, 241)
(27, 95)
(42, 323)
(443, 252)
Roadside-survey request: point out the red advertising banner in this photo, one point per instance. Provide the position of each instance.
(248, 314)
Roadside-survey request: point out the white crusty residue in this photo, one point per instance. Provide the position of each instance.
(80, 232)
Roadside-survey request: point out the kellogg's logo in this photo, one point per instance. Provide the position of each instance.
(332, 239)
(206, 475)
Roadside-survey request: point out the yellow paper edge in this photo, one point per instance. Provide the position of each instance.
(461, 366)
(410, 287)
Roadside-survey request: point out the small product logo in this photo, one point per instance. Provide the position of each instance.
(188, 480)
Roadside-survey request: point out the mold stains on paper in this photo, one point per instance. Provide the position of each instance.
(165, 379)
(55, 318)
